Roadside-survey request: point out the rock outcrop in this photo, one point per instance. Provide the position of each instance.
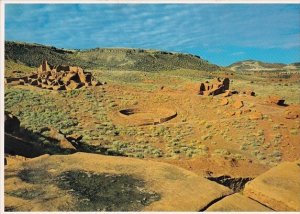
(256, 116)
(238, 104)
(224, 102)
(11, 123)
(179, 189)
(64, 143)
(238, 203)
(276, 100)
(217, 86)
(278, 188)
(15, 144)
(292, 112)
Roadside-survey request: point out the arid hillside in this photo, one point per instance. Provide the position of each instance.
(106, 58)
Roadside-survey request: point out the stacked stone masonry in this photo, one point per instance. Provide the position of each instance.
(217, 86)
(59, 77)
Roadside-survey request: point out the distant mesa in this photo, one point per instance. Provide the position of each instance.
(129, 59)
(59, 77)
(258, 66)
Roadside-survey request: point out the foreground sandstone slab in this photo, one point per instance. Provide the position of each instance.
(237, 203)
(278, 188)
(176, 189)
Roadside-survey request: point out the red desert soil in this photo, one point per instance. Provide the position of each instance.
(194, 108)
(242, 142)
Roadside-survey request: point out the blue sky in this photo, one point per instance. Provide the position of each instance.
(220, 33)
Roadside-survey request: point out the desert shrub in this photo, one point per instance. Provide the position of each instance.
(206, 137)
(35, 110)
(244, 147)
(221, 152)
(73, 93)
(294, 131)
(276, 126)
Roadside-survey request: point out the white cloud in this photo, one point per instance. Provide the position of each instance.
(157, 26)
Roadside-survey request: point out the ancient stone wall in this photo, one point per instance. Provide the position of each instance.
(216, 87)
(158, 116)
(59, 77)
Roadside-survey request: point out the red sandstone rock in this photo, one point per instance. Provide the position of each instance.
(227, 93)
(44, 66)
(276, 100)
(82, 76)
(229, 114)
(238, 104)
(256, 116)
(238, 112)
(75, 137)
(277, 188)
(58, 87)
(63, 141)
(292, 114)
(224, 102)
(73, 85)
(65, 144)
(246, 111)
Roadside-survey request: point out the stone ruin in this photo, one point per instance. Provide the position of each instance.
(149, 116)
(59, 77)
(216, 87)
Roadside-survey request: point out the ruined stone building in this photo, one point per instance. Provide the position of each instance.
(216, 87)
(59, 77)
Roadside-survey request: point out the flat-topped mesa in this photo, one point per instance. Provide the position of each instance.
(61, 77)
(216, 87)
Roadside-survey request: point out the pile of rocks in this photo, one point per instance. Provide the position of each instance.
(216, 87)
(58, 77)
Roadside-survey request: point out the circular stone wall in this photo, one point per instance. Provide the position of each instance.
(147, 116)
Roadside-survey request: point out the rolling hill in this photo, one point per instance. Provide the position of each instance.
(105, 58)
(254, 65)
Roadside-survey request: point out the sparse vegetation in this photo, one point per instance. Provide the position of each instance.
(124, 59)
(202, 130)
